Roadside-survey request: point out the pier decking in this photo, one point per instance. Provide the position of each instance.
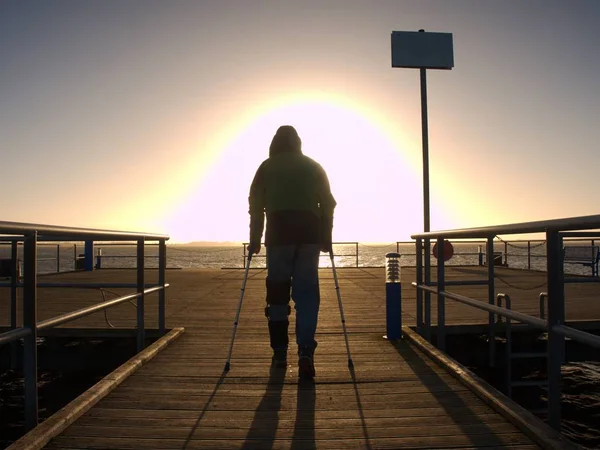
(395, 397)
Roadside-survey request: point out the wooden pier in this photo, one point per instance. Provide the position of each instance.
(398, 395)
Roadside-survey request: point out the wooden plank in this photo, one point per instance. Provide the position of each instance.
(274, 429)
(395, 397)
(307, 441)
(224, 416)
(433, 418)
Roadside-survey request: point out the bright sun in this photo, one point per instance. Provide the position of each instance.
(377, 190)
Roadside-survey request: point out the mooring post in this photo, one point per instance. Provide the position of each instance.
(88, 263)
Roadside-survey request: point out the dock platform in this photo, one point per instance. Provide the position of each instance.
(398, 395)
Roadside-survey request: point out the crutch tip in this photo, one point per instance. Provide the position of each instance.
(227, 367)
(350, 363)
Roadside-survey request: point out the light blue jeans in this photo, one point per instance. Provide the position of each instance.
(300, 264)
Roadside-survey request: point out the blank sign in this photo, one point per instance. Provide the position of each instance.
(416, 50)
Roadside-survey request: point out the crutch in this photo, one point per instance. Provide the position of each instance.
(339, 297)
(237, 314)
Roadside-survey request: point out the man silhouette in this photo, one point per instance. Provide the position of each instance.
(293, 191)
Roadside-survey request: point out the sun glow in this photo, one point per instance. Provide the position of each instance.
(375, 183)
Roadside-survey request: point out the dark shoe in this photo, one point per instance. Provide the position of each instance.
(279, 359)
(306, 366)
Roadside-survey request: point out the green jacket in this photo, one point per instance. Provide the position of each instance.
(293, 191)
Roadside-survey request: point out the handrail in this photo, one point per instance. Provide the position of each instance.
(555, 230)
(20, 333)
(578, 335)
(29, 234)
(570, 332)
(69, 233)
(14, 335)
(514, 315)
(568, 224)
(82, 285)
(68, 317)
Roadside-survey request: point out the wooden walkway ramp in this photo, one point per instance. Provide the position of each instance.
(396, 396)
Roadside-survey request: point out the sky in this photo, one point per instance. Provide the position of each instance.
(146, 115)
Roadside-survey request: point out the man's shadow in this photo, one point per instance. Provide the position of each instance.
(263, 429)
(304, 427)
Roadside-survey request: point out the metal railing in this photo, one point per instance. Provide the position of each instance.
(355, 254)
(30, 235)
(520, 253)
(554, 230)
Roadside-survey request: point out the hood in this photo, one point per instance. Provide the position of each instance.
(286, 140)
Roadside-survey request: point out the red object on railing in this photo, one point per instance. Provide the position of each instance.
(448, 250)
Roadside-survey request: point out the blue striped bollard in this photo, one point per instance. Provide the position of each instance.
(393, 297)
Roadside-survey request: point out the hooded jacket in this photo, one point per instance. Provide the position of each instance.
(293, 191)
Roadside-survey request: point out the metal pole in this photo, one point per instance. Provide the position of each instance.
(74, 256)
(356, 254)
(343, 318)
(99, 258)
(162, 276)
(506, 253)
(419, 255)
(528, 255)
(426, 221)
(14, 279)
(237, 313)
(556, 313)
(57, 258)
(140, 300)
(427, 282)
(88, 256)
(30, 322)
(508, 354)
(425, 139)
(441, 325)
(491, 299)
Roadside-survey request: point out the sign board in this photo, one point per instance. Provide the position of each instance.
(422, 50)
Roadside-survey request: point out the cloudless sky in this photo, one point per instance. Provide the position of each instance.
(154, 115)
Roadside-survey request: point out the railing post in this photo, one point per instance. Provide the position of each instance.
(441, 286)
(419, 264)
(556, 315)
(14, 279)
(508, 349)
(30, 322)
(98, 258)
(356, 243)
(491, 300)
(542, 298)
(75, 256)
(506, 253)
(57, 258)
(140, 299)
(427, 294)
(88, 256)
(162, 269)
(528, 255)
